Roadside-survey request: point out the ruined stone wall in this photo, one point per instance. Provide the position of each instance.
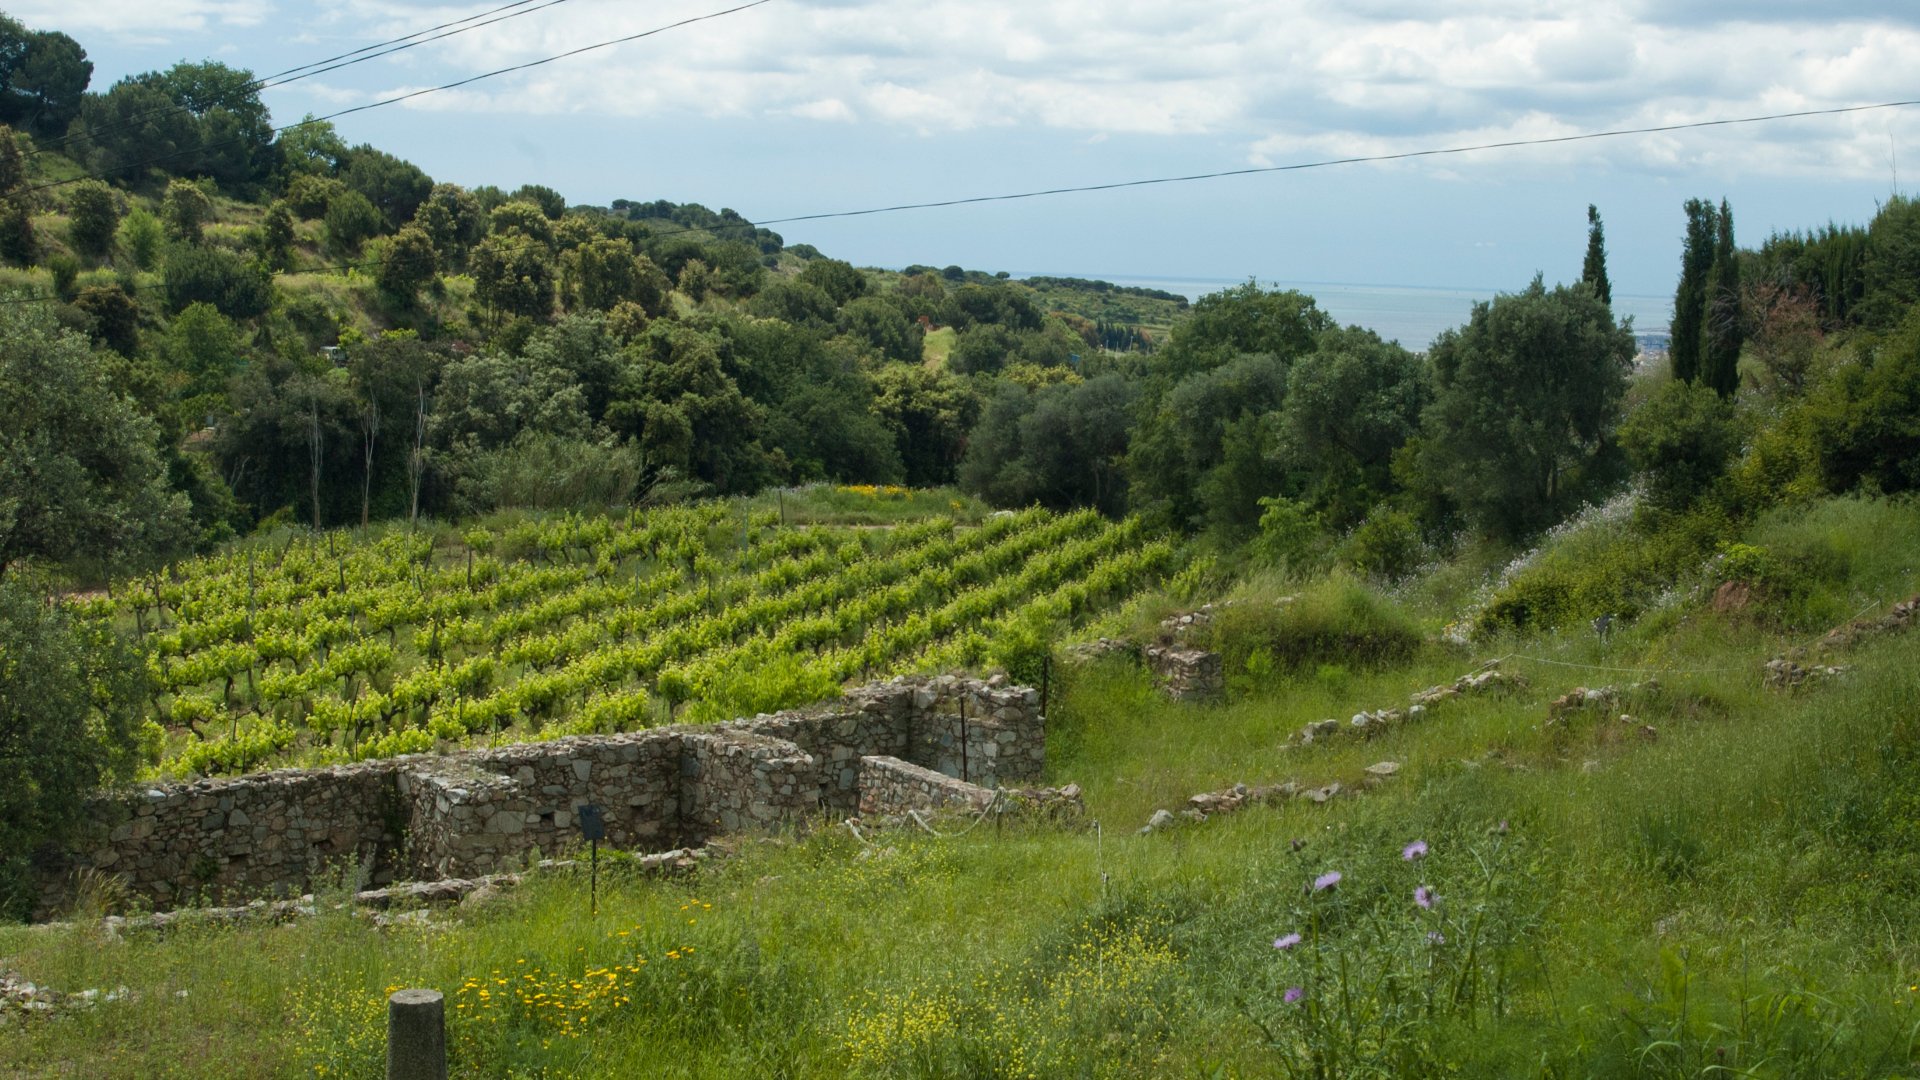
(484, 811)
(890, 787)
(257, 834)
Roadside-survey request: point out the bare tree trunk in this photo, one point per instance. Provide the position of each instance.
(417, 464)
(371, 422)
(313, 447)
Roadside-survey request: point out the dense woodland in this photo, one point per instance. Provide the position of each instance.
(289, 328)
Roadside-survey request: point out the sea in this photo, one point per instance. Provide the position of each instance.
(1413, 315)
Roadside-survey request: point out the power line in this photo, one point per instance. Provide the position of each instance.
(1329, 162)
(410, 95)
(751, 226)
(317, 67)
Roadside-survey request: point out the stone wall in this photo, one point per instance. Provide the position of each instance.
(891, 787)
(484, 811)
(1187, 674)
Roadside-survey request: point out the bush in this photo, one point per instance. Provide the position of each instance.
(141, 233)
(69, 716)
(1681, 440)
(1386, 545)
(1334, 619)
(351, 221)
(208, 275)
(1290, 536)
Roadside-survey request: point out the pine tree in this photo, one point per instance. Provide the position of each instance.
(1690, 299)
(1594, 270)
(1723, 333)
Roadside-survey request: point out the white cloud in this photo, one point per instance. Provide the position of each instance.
(1285, 80)
(139, 20)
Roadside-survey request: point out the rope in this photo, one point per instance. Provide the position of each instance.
(998, 796)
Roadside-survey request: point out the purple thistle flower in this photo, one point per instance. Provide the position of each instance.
(1287, 942)
(1435, 937)
(1423, 896)
(1293, 995)
(1415, 850)
(1326, 881)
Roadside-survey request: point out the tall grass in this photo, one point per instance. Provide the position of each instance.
(1730, 894)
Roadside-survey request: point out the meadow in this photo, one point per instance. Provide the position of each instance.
(1720, 887)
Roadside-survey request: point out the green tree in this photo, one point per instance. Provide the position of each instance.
(603, 273)
(395, 187)
(1866, 418)
(879, 321)
(839, 280)
(1890, 263)
(1681, 440)
(1060, 446)
(523, 219)
(142, 235)
(68, 724)
(80, 472)
(203, 346)
(115, 316)
(351, 221)
(312, 148)
(309, 196)
(277, 236)
(407, 265)
(185, 211)
(1198, 459)
(1526, 397)
(19, 241)
(1724, 330)
(1351, 404)
(452, 217)
(235, 285)
(677, 402)
(513, 274)
(552, 204)
(1690, 297)
(92, 218)
(930, 414)
(42, 80)
(1593, 270)
(1242, 320)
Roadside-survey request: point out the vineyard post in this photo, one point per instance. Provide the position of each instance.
(966, 773)
(783, 507)
(1046, 680)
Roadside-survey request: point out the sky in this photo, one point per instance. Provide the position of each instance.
(798, 107)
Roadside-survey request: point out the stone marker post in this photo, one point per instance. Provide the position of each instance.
(416, 1036)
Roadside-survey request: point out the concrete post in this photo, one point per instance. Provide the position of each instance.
(416, 1036)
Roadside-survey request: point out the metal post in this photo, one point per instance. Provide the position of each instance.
(593, 881)
(416, 1035)
(965, 772)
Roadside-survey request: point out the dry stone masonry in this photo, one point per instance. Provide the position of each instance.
(480, 812)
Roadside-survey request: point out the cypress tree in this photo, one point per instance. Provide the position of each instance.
(1690, 299)
(1594, 270)
(1720, 352)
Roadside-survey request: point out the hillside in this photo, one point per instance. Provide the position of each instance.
(1718, 819)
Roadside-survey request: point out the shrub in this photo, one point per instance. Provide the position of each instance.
(141, 233)
(69, 715)
(1290, 536)
(1386, 545)
(1335, 619)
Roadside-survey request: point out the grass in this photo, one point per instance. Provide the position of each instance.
(938, 346)
(1732, 897)
(868, 504)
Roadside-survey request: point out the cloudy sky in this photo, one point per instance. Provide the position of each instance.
(803, 106)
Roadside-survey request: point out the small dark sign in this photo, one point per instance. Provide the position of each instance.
(592, 825)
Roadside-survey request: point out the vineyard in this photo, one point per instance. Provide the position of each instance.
(329, 648)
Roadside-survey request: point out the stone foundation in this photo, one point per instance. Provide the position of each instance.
(485, 811)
